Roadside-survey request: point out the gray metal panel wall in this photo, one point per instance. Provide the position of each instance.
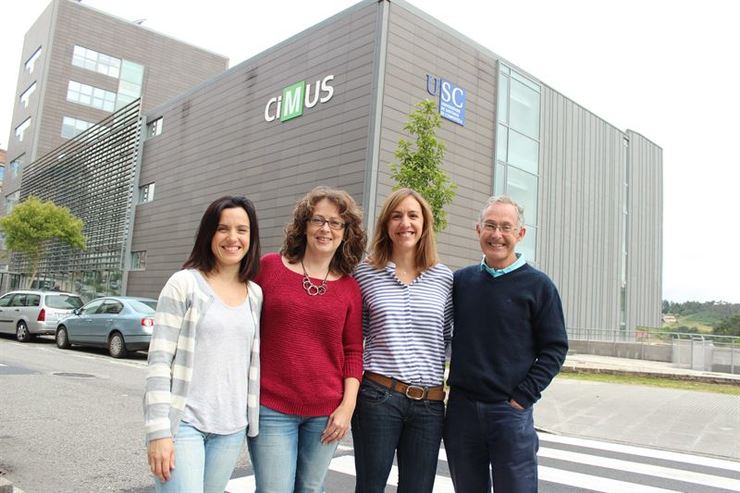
(582, 163)
(215, 141)
(645, 233)
(417, 47)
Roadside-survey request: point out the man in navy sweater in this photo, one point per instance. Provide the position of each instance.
(509, 342)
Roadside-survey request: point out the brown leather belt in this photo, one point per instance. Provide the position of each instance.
(415, 392)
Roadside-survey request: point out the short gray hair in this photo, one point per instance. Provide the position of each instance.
(502, 199)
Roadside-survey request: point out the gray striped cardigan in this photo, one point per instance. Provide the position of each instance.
(170, 364)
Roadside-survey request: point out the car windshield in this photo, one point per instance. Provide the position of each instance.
(143, 306)
(63, 301)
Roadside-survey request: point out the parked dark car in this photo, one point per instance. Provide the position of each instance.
(120, 323)
(27, 313)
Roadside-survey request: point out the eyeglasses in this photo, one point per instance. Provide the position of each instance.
(504, 228)
(319, 222)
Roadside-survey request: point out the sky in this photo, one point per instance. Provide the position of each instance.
(665, 69)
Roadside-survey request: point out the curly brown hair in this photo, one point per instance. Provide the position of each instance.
(350, 252)
(381, 249)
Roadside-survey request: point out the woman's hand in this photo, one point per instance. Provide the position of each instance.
(161, 454)
(338, 424)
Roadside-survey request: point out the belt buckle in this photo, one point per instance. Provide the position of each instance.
(415, 388)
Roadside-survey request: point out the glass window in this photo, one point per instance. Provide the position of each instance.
(523, 152)
(5, 300)
(129, 87)
(63, 301)
(503, 99)
(91, 307)
(142, 306)
(132, 72)
(499, 181)
(16, 166)
(19, 300)
(72, 127)
(154, 128)
(31, 62)
(33, 300)
(524, 80)
(111, 306)
(11, 200)
(146, 193)
(138, 260)
(522, 187)
(502, 143)
(91, 96)
(26, 96)
(525, 109)
(97, 62)
(20, 130)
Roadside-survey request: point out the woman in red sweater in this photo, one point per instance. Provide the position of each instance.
(311, 343)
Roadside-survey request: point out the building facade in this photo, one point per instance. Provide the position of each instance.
(327, 107)
(78, 65)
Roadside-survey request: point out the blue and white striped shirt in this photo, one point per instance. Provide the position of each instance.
(407, 328)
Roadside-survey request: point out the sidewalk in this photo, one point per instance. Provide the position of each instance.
(591, 363)
(689, 421)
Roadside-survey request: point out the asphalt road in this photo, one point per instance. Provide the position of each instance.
(71, 421)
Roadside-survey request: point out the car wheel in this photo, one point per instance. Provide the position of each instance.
(117, 346)
(62, 338)
(22, 333)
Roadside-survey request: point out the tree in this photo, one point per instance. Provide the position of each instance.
(33, 224)
(728, 327)
(419, 164)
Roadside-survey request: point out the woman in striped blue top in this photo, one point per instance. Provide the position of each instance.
(407, 326)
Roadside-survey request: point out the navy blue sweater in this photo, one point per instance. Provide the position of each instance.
(509, 337)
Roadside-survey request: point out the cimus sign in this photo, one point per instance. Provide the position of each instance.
(298, 96)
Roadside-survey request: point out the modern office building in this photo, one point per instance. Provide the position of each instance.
(78, 65)
(327, 106)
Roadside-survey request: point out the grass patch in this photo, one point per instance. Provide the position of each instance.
(718, 388)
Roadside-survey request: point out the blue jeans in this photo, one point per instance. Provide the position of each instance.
(482, 434)
(288, 455)
(387, 422)
(204, 462)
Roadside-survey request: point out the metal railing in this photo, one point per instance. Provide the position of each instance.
(705, 352)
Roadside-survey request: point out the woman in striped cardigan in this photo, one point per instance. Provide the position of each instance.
(407, 327)
(202, 387)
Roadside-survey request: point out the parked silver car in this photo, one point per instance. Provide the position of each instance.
(120, 323)
(27, 313)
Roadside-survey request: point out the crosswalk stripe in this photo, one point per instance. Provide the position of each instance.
(641, 468)
(346, 465)
(644, 452)
(241, 485)
(595, 483)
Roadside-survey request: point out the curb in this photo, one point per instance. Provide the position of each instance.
(671, 376)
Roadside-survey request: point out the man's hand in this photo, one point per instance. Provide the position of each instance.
(516, 405)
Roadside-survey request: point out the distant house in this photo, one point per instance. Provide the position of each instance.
(669, 319)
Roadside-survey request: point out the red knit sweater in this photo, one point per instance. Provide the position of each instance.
(309, 344)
